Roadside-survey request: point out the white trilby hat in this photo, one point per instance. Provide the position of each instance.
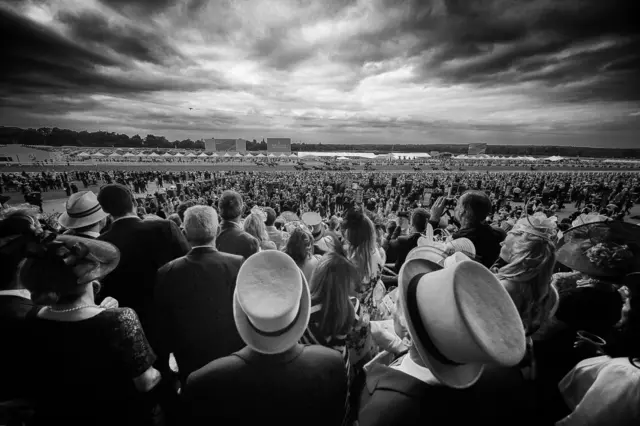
(82, 209)
(271, 303)
(461, 318)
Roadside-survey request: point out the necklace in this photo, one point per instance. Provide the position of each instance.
(77, 308)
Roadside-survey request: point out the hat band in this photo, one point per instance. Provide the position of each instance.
(277, 332)
(421, 332)
(85, 213)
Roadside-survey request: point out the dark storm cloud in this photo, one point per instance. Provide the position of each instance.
(129, 40)
(141, 7)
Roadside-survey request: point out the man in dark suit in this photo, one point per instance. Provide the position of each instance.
(194, 297)
(402, 245)
(144, 246)
(274, 379)
(232, 238)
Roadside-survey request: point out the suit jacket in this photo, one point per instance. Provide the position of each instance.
(391, 397)
(306, 385)
(144, 247)
(193, 306)
(402, 246)
(487, 241)
(232, 239)
(16, 352)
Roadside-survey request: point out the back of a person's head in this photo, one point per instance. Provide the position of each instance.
(16, 224)
(420, 219)
(200, 225)
(299, 245)
(254, 226)
(271, 216)
(116, 199)
(334, 222)
(333, 280)
(183, 208)
(474, 207)
(175, 218)
(230, 205)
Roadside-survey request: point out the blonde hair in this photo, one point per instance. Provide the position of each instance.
(530, 270)
(254, 225)
(360, 233)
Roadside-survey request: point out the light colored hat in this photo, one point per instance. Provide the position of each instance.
(461, 318)
(271, 303)
(82, 209)
(311, 218)
(422, 259)
(463, 245)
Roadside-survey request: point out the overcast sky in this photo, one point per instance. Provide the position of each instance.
(563, 72)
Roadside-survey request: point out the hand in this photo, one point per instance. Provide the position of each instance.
(109, 303)
(437, 209)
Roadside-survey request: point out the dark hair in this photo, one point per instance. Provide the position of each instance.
(298, 246)
(419, 219)
(271, 216)
(331, 283)
(183, 208)
(116, 199)
(475, 206)
(230, 205)
(18, 226)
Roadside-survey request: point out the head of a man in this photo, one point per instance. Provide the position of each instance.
(271, 216)
(230, 206)
(420, 219)
(472, 209)
(117, 200)
(201, 225)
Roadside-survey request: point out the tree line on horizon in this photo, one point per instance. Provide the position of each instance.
(56, 137)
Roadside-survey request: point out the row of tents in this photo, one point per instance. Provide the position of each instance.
(178, 155)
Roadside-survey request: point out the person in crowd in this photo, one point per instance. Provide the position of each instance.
(274, 379)
(144, 245)
(18, 227)
(402, 245)
(470, 212)
(361, 248)
(300, 248)
(232, 238)
(605, 389)
(98, 358)
(322, 242)
(83, 215)
(254, 226)
(175, 218)
(529, 254)
(336, 320)
(439, 381)
(193, 298)
(278, 237)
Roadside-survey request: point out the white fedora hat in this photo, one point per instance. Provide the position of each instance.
(461, 318)
(271, 303)
(82, 209)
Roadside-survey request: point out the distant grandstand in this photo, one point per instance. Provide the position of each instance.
(278, 145)
(225, 145)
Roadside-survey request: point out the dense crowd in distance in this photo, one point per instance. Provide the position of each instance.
(201, 297)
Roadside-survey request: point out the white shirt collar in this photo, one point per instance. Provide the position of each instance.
(408, 366)
(93, 234)
(24, 293)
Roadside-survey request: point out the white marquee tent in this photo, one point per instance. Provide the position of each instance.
(128, 154)
(83, 154)
(153, 154)
(179, 155)
(191, 154)
(98, 154)
(226, 154)
(260, 155)
(238, 155)
(115, 154)
(203, 155)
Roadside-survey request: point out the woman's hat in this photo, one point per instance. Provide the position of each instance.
(461, 318)
(601, 249)
(311, 218)
(82, 209)
(271, 303)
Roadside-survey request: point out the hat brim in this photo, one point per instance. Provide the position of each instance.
(71, 223)
(279, 344)
(420, 260)
(104, 254)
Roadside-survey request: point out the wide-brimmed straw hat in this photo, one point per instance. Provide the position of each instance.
(609, 249)
(422, 259)
(461, 318)
(82, 209)
(271, 303)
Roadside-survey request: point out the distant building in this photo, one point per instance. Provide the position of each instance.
(279, 145)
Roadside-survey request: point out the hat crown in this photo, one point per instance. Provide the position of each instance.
(268, 288)
(81, 201)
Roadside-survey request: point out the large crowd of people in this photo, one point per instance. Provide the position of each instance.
(323, 298)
